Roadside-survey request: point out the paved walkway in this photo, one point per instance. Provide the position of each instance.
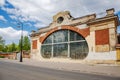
(105, 69)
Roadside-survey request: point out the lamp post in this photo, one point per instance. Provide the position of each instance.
(21, 45)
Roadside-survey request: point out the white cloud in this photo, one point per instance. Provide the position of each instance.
(2, 2)
(2, 18)
(43, 10)
(11, 35)
(39, 25)
(13, 17)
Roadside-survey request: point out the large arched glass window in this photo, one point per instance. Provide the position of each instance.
(64, 43)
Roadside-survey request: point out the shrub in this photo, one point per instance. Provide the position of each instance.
(2, 56)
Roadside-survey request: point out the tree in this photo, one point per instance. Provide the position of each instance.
(13, 47)
(5, 48)
(10, 47)
(19, 45)
(2, 43)
(26, 43)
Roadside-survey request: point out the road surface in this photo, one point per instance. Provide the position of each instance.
(14, 71)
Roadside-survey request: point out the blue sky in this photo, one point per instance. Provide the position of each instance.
(35, 14)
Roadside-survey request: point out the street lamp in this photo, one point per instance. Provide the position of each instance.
(21, 45)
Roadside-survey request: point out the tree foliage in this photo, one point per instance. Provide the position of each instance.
(15, 47)
(10, 47)
(25, 44)
(2, 43)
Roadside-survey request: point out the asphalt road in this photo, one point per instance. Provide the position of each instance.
(14, 71)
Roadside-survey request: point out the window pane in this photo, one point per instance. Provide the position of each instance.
(78, 50)
(46, 51)
(48, 40)
(75, 36)
(60, 50)
(60, 36)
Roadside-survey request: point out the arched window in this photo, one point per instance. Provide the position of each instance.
(64, 43)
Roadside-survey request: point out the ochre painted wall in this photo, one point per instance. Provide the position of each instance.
(118, 54)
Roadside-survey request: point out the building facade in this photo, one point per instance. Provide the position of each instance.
(85, 38)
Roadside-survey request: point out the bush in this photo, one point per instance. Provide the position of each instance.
(2, 56)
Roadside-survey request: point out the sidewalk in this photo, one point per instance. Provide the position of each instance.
(109, 70)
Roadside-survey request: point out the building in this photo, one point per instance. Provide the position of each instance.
(86, 38)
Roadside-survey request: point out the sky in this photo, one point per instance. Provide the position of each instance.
(34, 14)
